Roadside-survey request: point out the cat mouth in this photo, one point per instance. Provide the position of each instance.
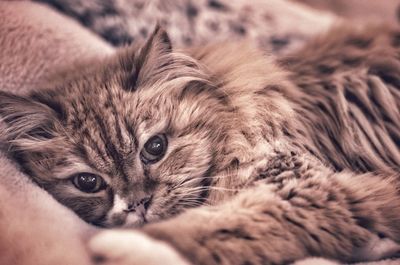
(136, 220)
(124, 220)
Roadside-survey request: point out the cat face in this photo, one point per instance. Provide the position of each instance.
(126, 142)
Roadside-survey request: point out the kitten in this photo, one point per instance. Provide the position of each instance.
(276, 164)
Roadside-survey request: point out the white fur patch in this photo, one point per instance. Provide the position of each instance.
(127, 247)
(132, 220)
(119, 205)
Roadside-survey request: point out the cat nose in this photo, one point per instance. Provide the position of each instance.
(142, 205)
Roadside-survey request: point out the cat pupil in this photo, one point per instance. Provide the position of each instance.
(87, 182)
(155, 146)
(154, 149)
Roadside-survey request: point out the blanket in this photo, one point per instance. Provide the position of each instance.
(36, 43)
(277, 26)
(34, 228)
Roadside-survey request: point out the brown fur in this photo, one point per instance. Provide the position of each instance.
(348, 97)
(305, 209)
(245, 141)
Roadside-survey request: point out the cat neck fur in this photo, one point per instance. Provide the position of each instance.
(253, 84)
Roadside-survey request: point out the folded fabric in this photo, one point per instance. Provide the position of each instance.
(278, 26)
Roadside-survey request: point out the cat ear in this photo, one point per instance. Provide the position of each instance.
(157, 45)
(24, 120)
(155, 54)
(149, 60)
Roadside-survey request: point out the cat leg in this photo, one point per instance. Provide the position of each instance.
(330, 216)
(124, 247)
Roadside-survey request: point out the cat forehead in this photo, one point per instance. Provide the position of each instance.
(107, 132)
(145, 106)
(126, 114)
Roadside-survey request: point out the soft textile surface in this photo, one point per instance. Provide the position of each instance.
(36, 229)
(35, 43)
(275, 25)
(360, 10)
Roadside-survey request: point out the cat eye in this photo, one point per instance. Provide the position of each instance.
(154, 149)
(89, 183)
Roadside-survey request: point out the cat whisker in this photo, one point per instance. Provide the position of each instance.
(192, 203)
(201, 178)
(202, 188)
(222, 189)
(197, 179)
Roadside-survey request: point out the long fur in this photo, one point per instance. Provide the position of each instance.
(242, 147)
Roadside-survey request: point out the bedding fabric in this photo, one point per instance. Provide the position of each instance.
(29, 213)
(35, 43)
(277, 26)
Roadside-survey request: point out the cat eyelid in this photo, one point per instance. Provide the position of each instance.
(65, 173)
(74, 191)
(145, 134)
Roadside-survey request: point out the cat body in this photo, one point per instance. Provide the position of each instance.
(229, 157)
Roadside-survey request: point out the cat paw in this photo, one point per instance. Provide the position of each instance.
(126, 247)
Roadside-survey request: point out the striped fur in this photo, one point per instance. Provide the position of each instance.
(99, 121)
(348, 97)
(286, 160)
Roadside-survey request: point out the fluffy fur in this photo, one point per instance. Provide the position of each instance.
(239, 143)
(35, 43)
(348, 99)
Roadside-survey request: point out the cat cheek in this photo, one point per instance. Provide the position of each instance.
(91, 209)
